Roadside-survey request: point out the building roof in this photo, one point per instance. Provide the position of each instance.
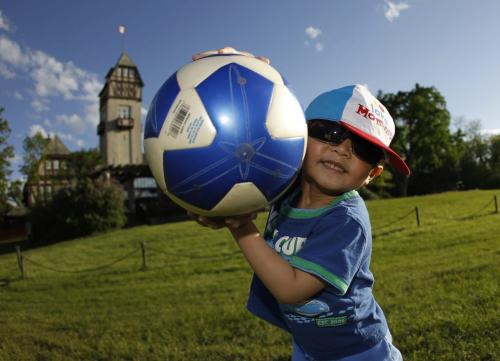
(125, 60)
(56, 147)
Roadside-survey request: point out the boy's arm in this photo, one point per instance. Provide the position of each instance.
(286, 283)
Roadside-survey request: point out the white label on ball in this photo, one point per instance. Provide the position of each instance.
(182, 114)
(187, 124)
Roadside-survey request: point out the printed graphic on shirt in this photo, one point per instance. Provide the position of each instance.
(317, 312)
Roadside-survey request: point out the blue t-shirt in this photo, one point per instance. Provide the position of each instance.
(333, 243)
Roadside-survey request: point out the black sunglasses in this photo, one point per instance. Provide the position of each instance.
(334, 133)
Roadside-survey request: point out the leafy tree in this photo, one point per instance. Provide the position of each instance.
(6, 153)
(15, 192)
(87, 208)
(83, 163)
(422, 138)
(34, 148)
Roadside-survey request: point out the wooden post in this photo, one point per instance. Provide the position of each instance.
(496, 204)
(143, 249)
(418, 216)
(20, 262)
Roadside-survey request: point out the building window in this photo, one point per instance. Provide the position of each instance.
(125, 72)
(55, 164)
(47, 164)
(124, 111)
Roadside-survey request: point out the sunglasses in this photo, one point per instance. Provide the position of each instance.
(334, 133)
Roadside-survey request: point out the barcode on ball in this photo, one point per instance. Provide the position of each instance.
(180, 118)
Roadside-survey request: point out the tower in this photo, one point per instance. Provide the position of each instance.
(119, 128)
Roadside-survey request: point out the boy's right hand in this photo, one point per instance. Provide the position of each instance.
(233, 222)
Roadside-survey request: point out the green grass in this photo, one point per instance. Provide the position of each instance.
(437, 283)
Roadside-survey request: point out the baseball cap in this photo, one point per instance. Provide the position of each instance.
(359, 111)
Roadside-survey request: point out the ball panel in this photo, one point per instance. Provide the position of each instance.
(237, 101)
(200, 177)
(187, 124)
(159, 107)
(241, 199)
(154, 157)
(285, 117)
(262, 68)
(190, 75)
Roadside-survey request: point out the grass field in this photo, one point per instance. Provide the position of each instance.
(437, 283)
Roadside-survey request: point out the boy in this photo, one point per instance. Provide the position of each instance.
(311, 265)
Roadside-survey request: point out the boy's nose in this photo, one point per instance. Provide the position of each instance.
(344, 149)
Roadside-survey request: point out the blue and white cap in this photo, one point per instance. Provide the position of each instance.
(358, 110)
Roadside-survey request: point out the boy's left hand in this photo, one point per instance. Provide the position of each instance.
(233, 222)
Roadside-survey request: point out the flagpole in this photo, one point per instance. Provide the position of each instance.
(121, 30)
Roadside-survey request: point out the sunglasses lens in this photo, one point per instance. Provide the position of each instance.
(334, 133)
(328, 132)
(365, 150)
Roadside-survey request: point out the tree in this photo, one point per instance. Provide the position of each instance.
(15, 192)
(422, 138)
(83, 163)
(34, 148)
(88, 207)
(6, 153)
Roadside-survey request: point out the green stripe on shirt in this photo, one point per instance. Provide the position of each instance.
(320, 271)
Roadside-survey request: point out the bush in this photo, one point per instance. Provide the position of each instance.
(85, 209)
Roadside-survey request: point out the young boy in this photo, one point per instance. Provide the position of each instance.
(311, 265)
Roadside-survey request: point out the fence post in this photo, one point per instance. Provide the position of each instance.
(20, 262)
(496, 204)
(143, 249)
(418, 216)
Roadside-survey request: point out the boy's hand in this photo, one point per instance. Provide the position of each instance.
(233, 222)
(228, 50)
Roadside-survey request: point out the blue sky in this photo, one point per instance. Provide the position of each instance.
(54, 54)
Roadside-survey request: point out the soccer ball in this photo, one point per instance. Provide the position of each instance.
(225, 136)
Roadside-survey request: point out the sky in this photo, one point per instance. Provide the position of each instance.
(54, 54)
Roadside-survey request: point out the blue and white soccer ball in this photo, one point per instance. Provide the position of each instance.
(224, 135)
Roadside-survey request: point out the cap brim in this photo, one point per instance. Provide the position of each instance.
(394, 158)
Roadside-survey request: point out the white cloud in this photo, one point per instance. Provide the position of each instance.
(312, 39)
(80, 143)
(37, 128)
(73, 121)
(40, 105)
(393, 10)
(92, 113)
(52, 78)
(144, 112)
(6, 73)
(4, 22)
(18, 96)
(313, 32)
(11, 53)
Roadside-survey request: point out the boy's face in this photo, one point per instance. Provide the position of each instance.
(335, 169)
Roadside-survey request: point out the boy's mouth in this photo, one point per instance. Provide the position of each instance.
(335, 166)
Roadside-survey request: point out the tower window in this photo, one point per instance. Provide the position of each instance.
(124, 111)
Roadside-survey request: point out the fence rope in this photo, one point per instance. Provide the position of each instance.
(222, 256)
(84, 270)
(394, 221)
(472, 215)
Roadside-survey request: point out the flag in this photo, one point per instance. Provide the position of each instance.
(121, 29)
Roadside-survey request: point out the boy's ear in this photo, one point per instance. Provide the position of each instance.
(375, 172)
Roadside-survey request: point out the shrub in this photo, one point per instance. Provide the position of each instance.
(88, 207)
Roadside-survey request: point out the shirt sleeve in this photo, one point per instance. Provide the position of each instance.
(333, 251)
(262, 304)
